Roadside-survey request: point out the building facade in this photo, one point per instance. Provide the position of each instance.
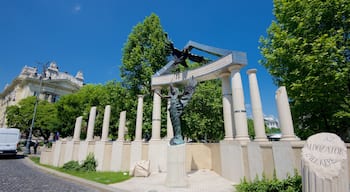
(50, 85)
(271, 122)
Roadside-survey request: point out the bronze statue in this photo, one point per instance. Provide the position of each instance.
(177, 104)
(181, 56)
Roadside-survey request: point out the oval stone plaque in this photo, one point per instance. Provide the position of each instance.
(324, 154)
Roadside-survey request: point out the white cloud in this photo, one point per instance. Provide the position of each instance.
(77, 8)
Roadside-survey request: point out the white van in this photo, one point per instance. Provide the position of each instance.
(9, 138)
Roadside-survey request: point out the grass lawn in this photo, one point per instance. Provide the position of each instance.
(98, 176)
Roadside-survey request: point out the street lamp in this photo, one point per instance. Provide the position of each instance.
(29, 139)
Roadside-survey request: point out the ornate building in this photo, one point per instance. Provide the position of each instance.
(271, 122)
(50, 85)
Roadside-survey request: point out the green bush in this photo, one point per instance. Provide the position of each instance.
(290, 184)
(89, 163)
(71, 166)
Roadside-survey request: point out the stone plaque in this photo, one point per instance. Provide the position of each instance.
(324, 154)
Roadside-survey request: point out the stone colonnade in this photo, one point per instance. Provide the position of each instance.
(234, 115)
(234, 112)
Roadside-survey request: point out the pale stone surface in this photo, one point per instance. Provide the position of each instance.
(284, 159)
(239, 111)
(176, 175)
(203, 73)
(77, 128)
(138, 134)
(258, 117)
(105, 126)
(57, 153)
(68, 156)
(117, 156)
(156, 115)
(284, 114)
(198, 181)
(135, 154)
(99, 154)
(227, 106)
(91, 124)
(121, 128)
(156, 154)
(169, 125)
(141, 169)
(255, 160)
(83, 151)
(324, 164)
(232, 161)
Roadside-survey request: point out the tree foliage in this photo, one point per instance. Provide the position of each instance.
(203, 117)
(21, 116)
(307, 49)
(79, 104)
(144, 53)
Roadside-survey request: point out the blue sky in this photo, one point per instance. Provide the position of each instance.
(89, 35)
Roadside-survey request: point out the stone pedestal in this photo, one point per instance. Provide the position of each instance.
(68, 155)
(157, 150)
(135, 154)
(100, 154)
(324, 164)
(57, 153)
(176, 163)
(284, 159)
(255, 160)
(83, 151)
(232, 160)
(117, 156)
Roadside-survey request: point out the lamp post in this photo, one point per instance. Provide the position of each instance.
(29, 139)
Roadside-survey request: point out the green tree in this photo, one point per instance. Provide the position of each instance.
(307, 49)
(203, 117)
(144, 53)
(21, 116)
(79, 104)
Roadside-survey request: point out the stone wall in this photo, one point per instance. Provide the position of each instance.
(204, 156)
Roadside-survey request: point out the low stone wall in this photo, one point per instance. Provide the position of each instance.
(256, 158)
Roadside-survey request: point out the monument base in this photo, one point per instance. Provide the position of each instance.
(176, 163)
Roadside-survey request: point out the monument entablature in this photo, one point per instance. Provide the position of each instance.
(226, 62)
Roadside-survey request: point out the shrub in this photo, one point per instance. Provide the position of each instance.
(89, 163)
(71, 166)
(290, 184)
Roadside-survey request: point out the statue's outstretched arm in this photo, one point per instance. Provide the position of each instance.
(188, 92)
(160, 95)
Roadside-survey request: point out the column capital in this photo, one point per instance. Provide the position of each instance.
(224, 74)
(250, 71)
(140, 96)
(234, 68)
(156, 88)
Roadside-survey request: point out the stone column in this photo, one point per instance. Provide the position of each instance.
(284, 114)
(77, 128)
(169, 125)
(227, 105)
(91, 125)
(138, 133)
(105, 127)
(156, 115)
(240, 114)
(258, 117)
(121, 127)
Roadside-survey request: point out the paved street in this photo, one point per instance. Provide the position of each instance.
(17, 176)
